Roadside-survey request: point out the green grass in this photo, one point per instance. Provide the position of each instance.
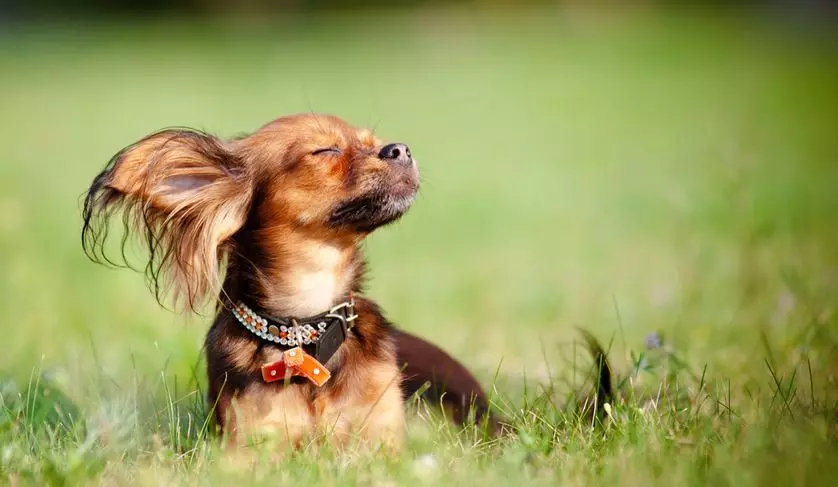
(674, 174)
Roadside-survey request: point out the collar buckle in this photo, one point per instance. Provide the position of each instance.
(345, 313)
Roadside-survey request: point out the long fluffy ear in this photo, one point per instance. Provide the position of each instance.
(186, 194)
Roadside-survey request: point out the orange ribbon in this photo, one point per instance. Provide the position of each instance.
(296, 362)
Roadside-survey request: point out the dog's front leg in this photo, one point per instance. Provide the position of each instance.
(368, 407)
(277, 414)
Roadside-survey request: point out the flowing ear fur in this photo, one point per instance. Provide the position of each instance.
(186, 194)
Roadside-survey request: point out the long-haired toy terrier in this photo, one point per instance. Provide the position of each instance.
(295, 348)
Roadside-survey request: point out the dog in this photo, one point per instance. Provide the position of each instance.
(296, 349)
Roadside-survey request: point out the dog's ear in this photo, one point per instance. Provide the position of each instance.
(186, 193)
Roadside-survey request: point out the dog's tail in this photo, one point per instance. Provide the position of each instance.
(604, 387)
(443, 380)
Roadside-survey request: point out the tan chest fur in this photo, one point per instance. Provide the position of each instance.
(365, 405)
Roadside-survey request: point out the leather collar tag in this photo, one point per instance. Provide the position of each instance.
(330, 340)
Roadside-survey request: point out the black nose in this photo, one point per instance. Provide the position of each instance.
(399, 153)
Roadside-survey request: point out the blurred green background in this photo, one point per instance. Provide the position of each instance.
(671, 169)
(625, 169)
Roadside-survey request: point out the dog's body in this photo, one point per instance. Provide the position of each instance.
(362, 397)
(286, 209)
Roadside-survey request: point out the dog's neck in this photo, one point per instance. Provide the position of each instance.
(301, 275)
(311, 280)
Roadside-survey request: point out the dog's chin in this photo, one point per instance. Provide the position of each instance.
(366, 213)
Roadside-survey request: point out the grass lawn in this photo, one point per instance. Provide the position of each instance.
(658, 174)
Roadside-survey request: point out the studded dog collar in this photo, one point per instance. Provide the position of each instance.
(308, 343)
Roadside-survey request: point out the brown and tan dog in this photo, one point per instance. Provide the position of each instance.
(295, 348)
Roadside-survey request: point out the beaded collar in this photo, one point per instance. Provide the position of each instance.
(317, 337)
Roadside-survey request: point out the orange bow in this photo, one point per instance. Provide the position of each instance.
(296, 362)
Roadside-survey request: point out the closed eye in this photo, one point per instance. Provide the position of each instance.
(326, 150)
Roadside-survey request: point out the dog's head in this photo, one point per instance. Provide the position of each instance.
(318, 171)
(190, 193)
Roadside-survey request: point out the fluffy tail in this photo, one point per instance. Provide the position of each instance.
(604, 385)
